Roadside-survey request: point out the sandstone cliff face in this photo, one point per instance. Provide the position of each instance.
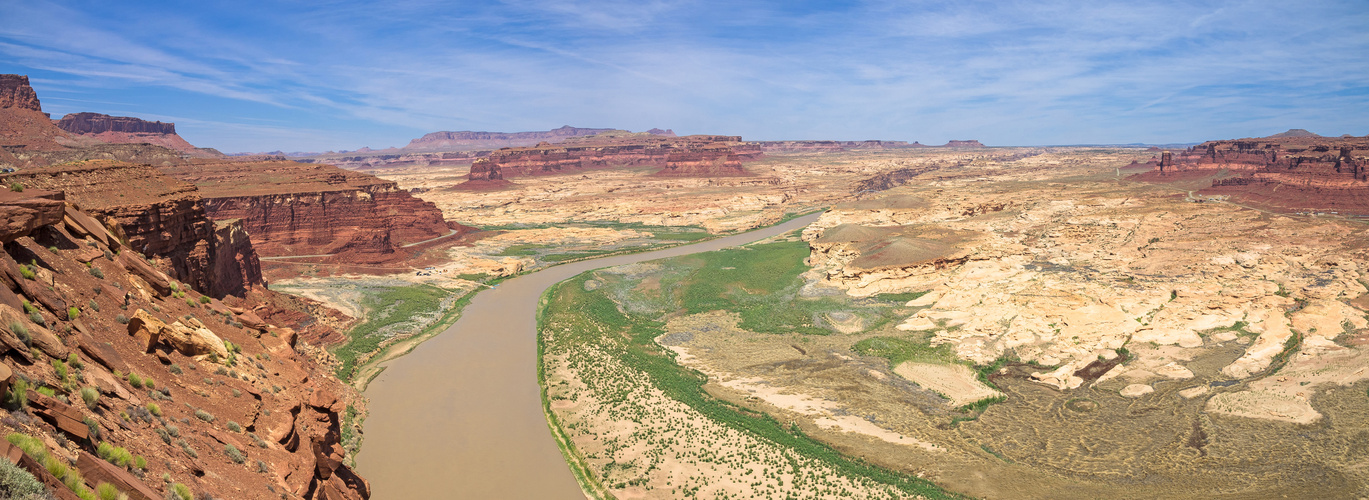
(158, 216)
(295, 209)
(15, 92)
(94, 123)
(689, 156)
(1294, 172)
(236, 266)
(284, 408)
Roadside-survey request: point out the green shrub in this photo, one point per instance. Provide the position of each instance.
(134, 381)
(233, 426)
(22, 332)
(190, 302)
(26, 272)
(123, 320)
(181, 491)
(54, 466)
(175, 287)
(73, 313)
(37, 318)
(105, 451)
(166, 438)
(96, 272)
(16, 187)
(107, 491)
(90, 396)
(74, 361)
(47, 391)
(234, 454)
(140, 462)
(61, 368)
(204, 299)
(173, 430)
(176, 369)
(154, 409)
(18, 395)
(19, 483)
(204, 415)
(148, 383)
(53, 249)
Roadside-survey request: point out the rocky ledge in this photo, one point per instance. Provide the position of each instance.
(297, 209)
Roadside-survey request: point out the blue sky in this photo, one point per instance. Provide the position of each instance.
(318, 75)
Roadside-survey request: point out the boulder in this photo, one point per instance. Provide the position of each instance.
(98, 471)
(140, 268)
(194, 341)
(39, 337)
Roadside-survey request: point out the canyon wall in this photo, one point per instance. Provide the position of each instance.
(1294, 172)
(15, 92)
(157, 216)
(832, 146)
(688, 156)
(297, 209)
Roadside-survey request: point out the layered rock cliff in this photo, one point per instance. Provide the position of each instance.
(156, 215)
(1291, 172)
(101, 348)
(691, 156)
(23, 124)
(15, 92)
(296, 209)
(832, 146)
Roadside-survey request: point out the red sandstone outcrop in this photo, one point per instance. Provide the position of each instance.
(688, 156)
(467, 140)
(15, 92)
(297, 209)
(156, 215)
(244, 413)
(1292, 172)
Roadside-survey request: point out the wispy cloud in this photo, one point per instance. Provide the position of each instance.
(347, 74)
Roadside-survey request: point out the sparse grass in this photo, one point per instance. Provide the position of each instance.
(204, 415)
(234, 454)
(90, 396)
(590, 318)
(916, 347)
(391, 308)
(154, 409)
(233, 426)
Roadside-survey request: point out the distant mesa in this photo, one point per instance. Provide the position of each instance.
(657, 131)
(129, 130)
(972, 143)
(468, 140)
(687, 156)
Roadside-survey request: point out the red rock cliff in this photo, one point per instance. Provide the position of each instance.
(15, 92)
(129, 130)
(466, 140)
(695, 155)
(160, 217)
(293, 209)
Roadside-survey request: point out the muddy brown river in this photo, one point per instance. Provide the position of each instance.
(461, 415)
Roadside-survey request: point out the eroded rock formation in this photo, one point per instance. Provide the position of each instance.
(1291, 172)
(296, 209)
(128, 130)
(15, 92)
(833, 146)
(156, 215)
(255, 415)
(688, 156)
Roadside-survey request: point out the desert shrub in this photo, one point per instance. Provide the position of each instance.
(176, 369)
(173, 430)
(140, 462)
(107, 491)
(93, 427)
(149, 383)
(53, 249)
(60, 367)
(105, 451)
(47, 391)
(181, 492)
(190, 302)
(261, 467)
(187, 449)
(16, 482)
(54, 466)
(74, 361)
(94, 306)
(220, 371)
(123, 320)
(37, 318)
(204, 299)
(175, 287)
(166, 437)
(236, 393)
(17, 397)
(26, 272)
(234, 454)
(73, 313)
(96, 272)
(16, 187)
(135, 381)
(22, 332)
(204, 415)
(154, 409)
(233, 426)
(256, 440)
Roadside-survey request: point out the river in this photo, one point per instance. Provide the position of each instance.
(461, 415)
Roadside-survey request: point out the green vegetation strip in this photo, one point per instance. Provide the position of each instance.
(389, 307)
(587, 317)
